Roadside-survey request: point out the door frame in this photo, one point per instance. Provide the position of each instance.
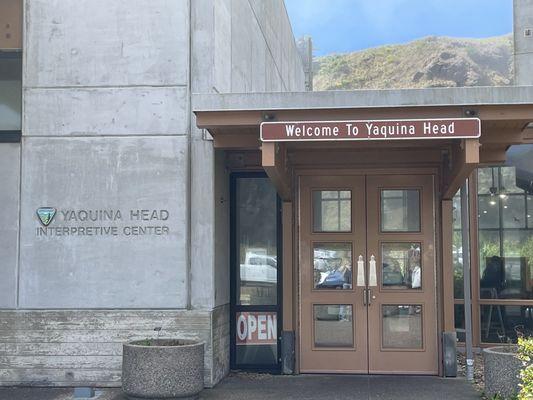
(234, 307)
(426, 169)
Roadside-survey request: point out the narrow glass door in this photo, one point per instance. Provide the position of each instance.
(255, 273)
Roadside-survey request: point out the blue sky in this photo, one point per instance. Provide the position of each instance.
(338, 26)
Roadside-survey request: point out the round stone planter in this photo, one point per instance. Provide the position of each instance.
(502, 370)
(163, 369)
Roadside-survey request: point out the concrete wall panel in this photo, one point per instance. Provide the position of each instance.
(9, 222)
(523, 69)
(84, 347)
(127, 270)
(222, 230)
(523, 45)
(222, 46)
(110, 111)
(220, 342)
(523, 19)
(202, 224)
(106, 42)
(202, 63)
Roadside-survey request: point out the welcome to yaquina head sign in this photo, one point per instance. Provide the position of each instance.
(402, 129)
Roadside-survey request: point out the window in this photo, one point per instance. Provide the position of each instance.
(505, 231)
(10, 91)
(400, 210)
(10, 69)
(332, 210)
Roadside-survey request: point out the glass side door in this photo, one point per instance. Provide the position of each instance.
(255, 273)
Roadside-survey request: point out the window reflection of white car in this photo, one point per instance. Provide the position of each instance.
(259, 268)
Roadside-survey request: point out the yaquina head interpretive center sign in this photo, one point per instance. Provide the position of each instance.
(459, 128)
(101, 222)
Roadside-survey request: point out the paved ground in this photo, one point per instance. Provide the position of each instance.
(304, 387)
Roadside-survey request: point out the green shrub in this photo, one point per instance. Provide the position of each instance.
(525, 353)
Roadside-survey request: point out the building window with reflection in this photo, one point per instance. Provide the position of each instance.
(505, 234)
(10, 68)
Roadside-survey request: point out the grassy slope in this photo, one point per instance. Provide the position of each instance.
(428, 62)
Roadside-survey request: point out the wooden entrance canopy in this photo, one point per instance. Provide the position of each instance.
(506, 115)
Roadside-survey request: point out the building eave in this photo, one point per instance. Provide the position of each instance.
(437, 97)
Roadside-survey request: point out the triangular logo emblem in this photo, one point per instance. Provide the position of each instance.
(46, 215)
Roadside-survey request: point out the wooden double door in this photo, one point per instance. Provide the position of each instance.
(367, 274)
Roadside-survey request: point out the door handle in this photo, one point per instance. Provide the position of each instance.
(368, 297)
(360, 271)
(372, 278)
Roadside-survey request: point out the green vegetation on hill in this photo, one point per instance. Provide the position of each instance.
(428, 62)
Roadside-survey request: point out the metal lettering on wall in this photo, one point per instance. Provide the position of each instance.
(445, 128)
(102, 222)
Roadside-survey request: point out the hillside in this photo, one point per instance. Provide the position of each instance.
(428, 62)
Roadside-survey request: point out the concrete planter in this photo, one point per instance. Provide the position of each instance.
(502, 369)
(163, 369)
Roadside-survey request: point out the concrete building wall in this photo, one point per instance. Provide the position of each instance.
(241, 46)
(107, 127)
(127, 268)
(9, 222)
(121, 83)
(523, 42)
(84, 347)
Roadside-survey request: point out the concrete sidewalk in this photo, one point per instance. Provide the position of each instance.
(304, 387)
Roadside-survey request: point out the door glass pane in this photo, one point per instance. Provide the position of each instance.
(332, 211)
(333, 326)
(402, 326)
(501, 324)
(332, 266)
(400, 210)
(256, 338)
(256, 225)
(401, 266)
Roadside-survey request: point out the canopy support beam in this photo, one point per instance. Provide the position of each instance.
(465, 158)
(275, 163)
